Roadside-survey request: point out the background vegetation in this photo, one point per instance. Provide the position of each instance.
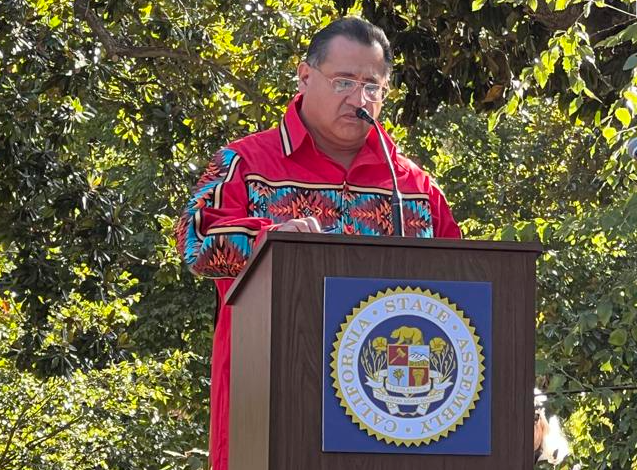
(109, 110)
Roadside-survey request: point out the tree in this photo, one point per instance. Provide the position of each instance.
(109, 111)
(532, 178)
(489, 54)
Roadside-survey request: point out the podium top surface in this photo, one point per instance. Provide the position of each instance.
(357, 240)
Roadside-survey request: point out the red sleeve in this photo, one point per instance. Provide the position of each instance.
(215, 235)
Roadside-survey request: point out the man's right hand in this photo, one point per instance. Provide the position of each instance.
(306, 224)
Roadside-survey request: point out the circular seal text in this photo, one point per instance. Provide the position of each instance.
(407, 366)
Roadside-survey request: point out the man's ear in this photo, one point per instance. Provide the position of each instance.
(303, 73)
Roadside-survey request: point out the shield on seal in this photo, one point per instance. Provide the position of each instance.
(408, 365)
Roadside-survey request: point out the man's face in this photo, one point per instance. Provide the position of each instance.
(333, 116)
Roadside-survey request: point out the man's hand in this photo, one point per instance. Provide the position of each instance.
(306, 224)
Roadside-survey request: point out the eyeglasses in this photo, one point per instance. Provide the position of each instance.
(346, 86)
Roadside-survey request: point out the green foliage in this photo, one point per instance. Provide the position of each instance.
(494, 54)
(108, 114)
(534, 178)
(138, 412)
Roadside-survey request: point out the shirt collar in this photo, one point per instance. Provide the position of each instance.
(293, 132)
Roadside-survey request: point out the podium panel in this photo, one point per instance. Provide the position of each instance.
(277, 365)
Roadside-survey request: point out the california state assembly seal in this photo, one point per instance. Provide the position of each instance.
(407, 366)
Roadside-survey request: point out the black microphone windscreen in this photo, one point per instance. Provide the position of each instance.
(362, 113)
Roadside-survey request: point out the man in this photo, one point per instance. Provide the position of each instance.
(321, 170)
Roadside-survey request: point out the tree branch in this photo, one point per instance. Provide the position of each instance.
(115, 49)
(14, 428)
(557, 20)
(21, 417)
(53, 433)
(598, 23)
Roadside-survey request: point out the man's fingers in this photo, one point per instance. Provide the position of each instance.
(306, 224)
(296, 225)
(313, 225)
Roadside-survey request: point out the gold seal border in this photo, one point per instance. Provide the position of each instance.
(336, 384)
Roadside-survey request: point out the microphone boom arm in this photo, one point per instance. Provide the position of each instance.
(396, 196)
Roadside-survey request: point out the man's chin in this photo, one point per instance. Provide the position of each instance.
(351, 127)
(351, 139)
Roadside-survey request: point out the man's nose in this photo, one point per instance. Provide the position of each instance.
(357, 98)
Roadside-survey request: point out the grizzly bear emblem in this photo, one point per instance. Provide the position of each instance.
(407, 335)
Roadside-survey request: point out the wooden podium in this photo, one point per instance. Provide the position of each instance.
(277, 345)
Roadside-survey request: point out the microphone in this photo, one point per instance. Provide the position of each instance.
(361, 113)
(396, 197)
(632, 147)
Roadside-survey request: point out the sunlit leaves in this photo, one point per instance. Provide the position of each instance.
(145, 12)
(627, 34)
(624, 116)
(477, 4)
(533, 178)
(42, 6)
(98, 156)
(104, 416)
(545, 67)
(128, 127)
(609, 133)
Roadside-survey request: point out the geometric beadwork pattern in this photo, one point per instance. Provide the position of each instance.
(342, 209)
(223, 251)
